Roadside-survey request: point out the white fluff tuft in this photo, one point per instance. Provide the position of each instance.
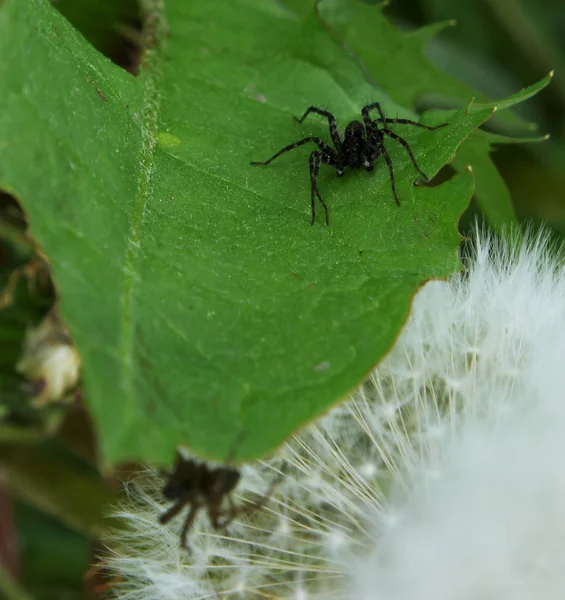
(441, 478)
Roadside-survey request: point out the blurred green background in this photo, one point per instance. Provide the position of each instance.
(498, 46)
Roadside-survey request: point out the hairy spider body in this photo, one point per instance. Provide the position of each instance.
(354, 151)
(198, 485)
(362, 145)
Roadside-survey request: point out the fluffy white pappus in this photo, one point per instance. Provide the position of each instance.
(484, 514)
(440, 478)
(484, 520)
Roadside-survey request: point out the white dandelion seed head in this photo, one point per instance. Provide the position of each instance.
(440, 478)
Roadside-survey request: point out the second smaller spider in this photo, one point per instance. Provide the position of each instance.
(198, 485)
(362, 145)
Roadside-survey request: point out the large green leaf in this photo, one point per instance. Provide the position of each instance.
(202, 301)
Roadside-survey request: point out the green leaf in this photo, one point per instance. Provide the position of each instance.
(202, 301)
(301, 8)
(491, 192)
(520, 96)
(490, 189)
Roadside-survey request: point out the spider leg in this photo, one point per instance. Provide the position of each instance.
(258, 504)
(408, 149)
(385, 153)
(331, 121)
(187, 525)
(321, 144)
(172, 512)
(367, 119)
(324, 205)
(263, 500)
(215, 515)
(315, 162)
(409, 122)
(233, 511)
(236, 445)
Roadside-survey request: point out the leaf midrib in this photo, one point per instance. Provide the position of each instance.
(150, 76)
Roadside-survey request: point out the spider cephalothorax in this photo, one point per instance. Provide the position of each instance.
(362, 144)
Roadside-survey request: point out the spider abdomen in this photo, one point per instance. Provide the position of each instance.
(354, 145)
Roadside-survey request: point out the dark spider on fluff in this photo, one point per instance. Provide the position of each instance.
(197, 485)
(362, 145)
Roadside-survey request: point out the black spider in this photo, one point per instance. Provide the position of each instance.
(361, 146)
(198, 485)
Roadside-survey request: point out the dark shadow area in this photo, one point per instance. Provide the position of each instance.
(113, 27)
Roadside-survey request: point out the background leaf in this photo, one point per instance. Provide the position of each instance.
(398, 63)
(54, 557)
(489, 185)
(518, 32)
(519, 40)
(57, 483)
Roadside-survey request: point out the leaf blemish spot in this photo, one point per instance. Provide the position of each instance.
(323, 366)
